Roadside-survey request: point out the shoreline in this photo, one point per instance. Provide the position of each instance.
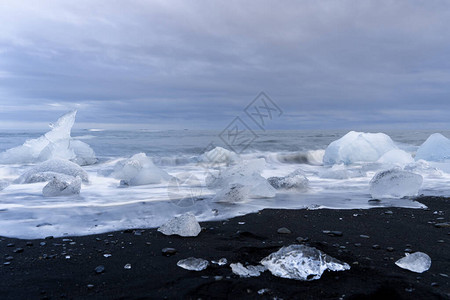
(64, 268)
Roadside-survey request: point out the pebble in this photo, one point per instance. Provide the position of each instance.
(376, 247)
(302, 239)
(441, 241)
(42, 243)
(90, 286)
(168, 251)
(7, 263)
(434, 284)
(390, 249)
(10, 245)
(357, 244)
(50, 237)
(100, 269)
(9, 258)
(388, 212)
(364, 236)
(335, 233)
(127, 267)
(29, 244)
(18, 250)
(408, 250)
(442, 225)
(283, 230)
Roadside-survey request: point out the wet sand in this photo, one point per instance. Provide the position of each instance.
(64, 268)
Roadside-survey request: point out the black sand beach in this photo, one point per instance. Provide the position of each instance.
(371, 241)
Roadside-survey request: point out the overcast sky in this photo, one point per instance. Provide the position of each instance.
(198, 64)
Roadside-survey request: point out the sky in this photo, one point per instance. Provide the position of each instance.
(199, 64)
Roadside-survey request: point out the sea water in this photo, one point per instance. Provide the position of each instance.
(103, 205)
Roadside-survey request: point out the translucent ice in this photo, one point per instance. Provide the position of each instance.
(396, 157)
(57, 143)
(395, 183)
(301, 262)
(62, 187)
(341, 171)
(3, 184)
(418, 262)
(233, 193)
(295, 180)
(193, 264)
(435, 148)
(248, 174)
(54, 166)
(219, 155)
(184, 225)
(139, 170)
(358, 147)
(249, 271)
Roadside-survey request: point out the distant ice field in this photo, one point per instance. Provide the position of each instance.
(174, 176)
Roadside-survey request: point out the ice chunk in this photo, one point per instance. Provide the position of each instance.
(395, 183)
(55, 166)
(423, 167)
(435, 148)
(396, 157)
(184, 225)
(3, 184)
(233, 193)
(249, 271)
(418, 262)
(193, 264)
(219, 155)
(294, 181)
(139, 170)
(47, 176)
(341, 171)
(358, 147)
(301, 262)
(57, 143)
(248, 174)
(59, 186)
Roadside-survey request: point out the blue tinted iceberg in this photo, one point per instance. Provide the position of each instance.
(435, 148)
(358, 147)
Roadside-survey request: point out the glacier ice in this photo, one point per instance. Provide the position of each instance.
(248, 174)
(396, 157)
(435, 148)
(232, 193)
(219, 155)
(249, 271)
(301, 262)
(60, 186)
(395, 183)
(185, 225)
(341, 171)
(193, 264)
(293, 181)
(139, 170)
(358, 147)
(45, 170)
(418, 262)
(3, 184)
(57, 143)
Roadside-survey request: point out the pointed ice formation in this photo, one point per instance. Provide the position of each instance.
(249, 271)
(418, 262)
(301, 262)
(193, 264)
(57, 143)
(139, 170)
(46, 170)
(219, 155)
(293, 181)
(395, 183)
(185, 225)
(60, 186)
(358, 147)
(435, 148)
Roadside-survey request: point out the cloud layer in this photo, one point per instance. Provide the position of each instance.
(197, 64)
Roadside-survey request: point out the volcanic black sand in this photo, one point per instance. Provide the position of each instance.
(65, 268)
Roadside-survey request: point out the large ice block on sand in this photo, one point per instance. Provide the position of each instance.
(184, 225)
(61, 186)
(248, 174)
(45, 170)
(418, 262)
(395, 183)
(358, 147)
(293, 181)
(435, 148)
(139, 170)
(57, 143)
(301, 262)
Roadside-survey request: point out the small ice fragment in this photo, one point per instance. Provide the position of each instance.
(220, 262)
(107, 255)
(418, 262)
(263, 291)
(249, 271)
(184, 225)
(127, 267)
(395, 183)
(435, 148)
(57, 187)
(233, 193)
(301, 262)
(193, 264)
(67, 256)
(295, 180)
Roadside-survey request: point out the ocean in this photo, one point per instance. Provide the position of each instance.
(104, 205)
